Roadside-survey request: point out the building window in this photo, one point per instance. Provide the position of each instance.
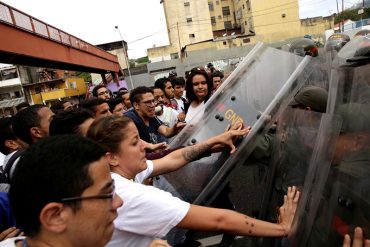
(243, 6)
(219, 17)
(191, 35)
(228, 25)
(248, 5)
(246, 23)
(226, 11)
(210, 6)
(174, 55)
(217, 2)
(189, 20)
(37, 89)
(5, 96)
(8, 74)
(186, 4)
(247, 40)
(224, 42)
(213, 20)
(17, 94)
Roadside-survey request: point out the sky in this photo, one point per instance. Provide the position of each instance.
(141, 22)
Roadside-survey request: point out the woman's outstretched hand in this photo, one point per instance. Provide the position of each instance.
(358, 239)
(288, 209)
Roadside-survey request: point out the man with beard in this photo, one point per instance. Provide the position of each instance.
(166, 85)
(166, 114)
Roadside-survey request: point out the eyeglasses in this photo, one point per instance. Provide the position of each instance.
(150, 102)
(80, 198)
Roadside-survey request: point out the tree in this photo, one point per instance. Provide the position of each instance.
(142, 60)
(352, 14)
(86, 76)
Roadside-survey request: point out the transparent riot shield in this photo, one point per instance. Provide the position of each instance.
(256, 88)
(292, 148)
(335, 197)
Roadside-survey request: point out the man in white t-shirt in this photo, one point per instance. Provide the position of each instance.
(166, 114)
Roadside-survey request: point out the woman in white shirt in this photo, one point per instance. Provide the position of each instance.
(198, 91)
(148, 212)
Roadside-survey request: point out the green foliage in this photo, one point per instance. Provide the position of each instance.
(352, 14)
(142, 60)
(86, 76)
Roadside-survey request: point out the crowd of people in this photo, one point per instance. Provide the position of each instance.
(82, 175)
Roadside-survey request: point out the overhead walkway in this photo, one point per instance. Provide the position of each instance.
(26, 40)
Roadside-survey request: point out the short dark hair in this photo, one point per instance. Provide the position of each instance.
(96, 88)
(25, 120)
(190, 95)
(6, 133)
(135, 94)
(113, 102)
(109, 131)
(92, 104)
(54, 168)
(217, 74)
(161, 83)
(22, 105)
(69, 121)
(178, 81)
(57, 105)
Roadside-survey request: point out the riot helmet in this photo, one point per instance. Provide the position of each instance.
(303, 47)
(362, 33)
(355, 51)
(336, 41)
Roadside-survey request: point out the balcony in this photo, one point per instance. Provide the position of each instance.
(11, 102)
(11, 82)
(60, 93)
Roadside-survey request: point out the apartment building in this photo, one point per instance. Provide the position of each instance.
(222, 24)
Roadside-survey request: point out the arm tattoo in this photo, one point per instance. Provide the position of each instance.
(194, 152)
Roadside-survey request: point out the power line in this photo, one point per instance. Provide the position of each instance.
(147, 36)
(207, 21)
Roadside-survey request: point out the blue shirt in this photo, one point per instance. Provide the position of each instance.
(148, 133)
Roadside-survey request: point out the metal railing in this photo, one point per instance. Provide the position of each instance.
(11, 102)
(21, 20)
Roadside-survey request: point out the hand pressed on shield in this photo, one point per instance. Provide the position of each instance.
(288, 209)
(227, 139)
(358, 240)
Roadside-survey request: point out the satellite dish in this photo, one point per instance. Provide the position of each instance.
(224, 35)
(233, 33)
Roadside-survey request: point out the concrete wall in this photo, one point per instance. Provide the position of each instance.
(225, 60)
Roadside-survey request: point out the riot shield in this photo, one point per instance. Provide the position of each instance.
(261, 82)
(293, 144)
(335, 198)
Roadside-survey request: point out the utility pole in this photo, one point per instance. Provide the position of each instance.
(342, 15)
(126, 58)
(363, 9)
(340, 26)
(178, 35)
